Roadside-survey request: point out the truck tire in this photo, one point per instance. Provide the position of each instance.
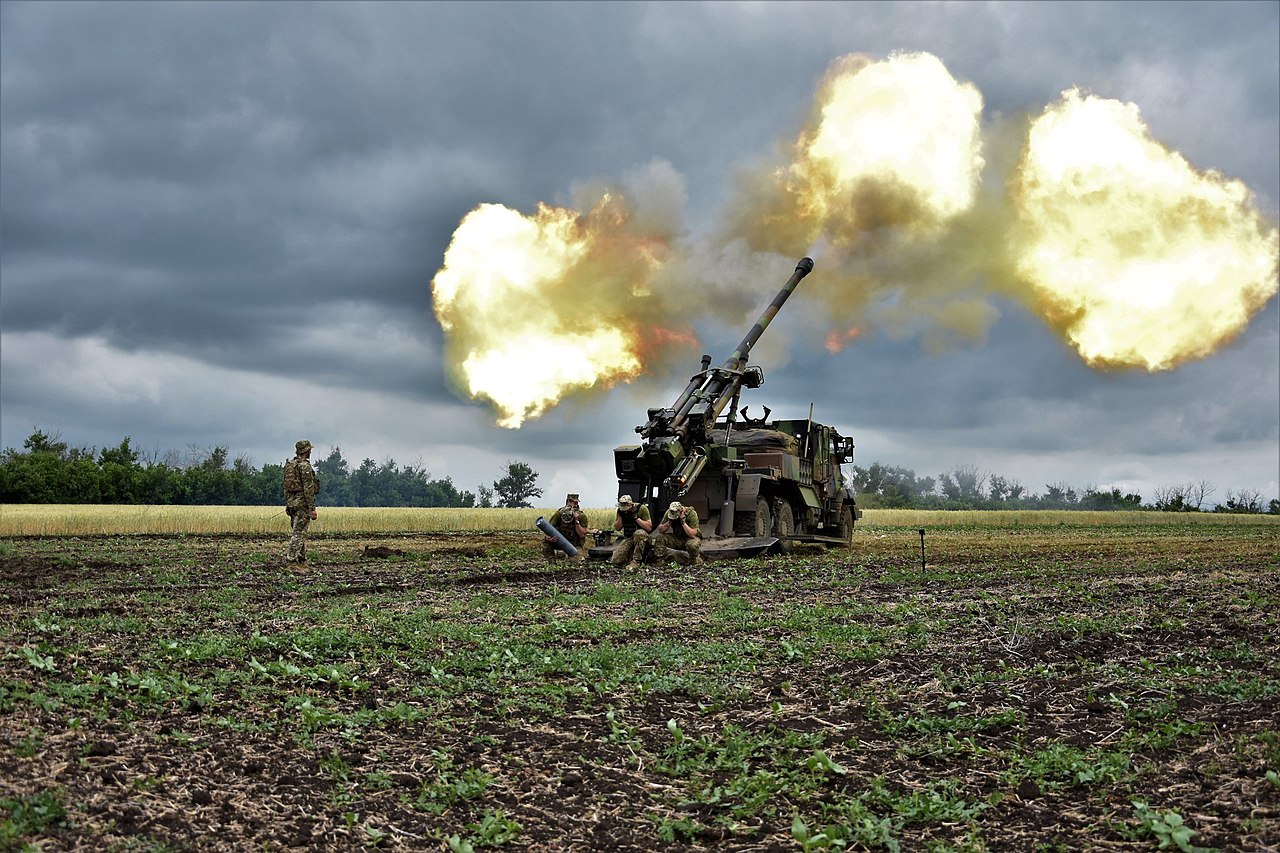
(758, 524)
(846, 527)
(785, 526)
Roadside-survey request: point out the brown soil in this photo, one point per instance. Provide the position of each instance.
(1085, 639)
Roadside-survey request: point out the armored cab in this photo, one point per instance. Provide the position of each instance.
(756, 484)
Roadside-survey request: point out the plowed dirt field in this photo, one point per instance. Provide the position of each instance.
(1053, 688)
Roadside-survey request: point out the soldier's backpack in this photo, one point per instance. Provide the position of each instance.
(292, 482)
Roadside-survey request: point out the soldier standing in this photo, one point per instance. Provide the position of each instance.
(679, 530)
(301, 485)
(633, 520)
(572, 524)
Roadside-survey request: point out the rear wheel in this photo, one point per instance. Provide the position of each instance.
(758, 525)
(786, 527)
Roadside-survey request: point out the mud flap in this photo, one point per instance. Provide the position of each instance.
(718, 548)
(738, 546)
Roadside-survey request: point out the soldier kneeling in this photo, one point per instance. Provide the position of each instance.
(679, 530)
(572, 524)
(633, 520)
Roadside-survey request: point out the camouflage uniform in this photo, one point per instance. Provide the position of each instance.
(677, 538)
(566, 520)
(301, 485)
(634, 543)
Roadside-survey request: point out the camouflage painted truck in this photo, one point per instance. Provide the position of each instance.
(757, 485)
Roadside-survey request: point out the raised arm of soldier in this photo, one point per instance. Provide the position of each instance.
(629, 512)
(688, 530)
(572, 524)
(580, 523)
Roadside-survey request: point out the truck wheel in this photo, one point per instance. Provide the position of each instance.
(785, 527)
(758, 525)
(846, 526)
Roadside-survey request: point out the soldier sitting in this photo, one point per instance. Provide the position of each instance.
(633, 520)
(572, 524)
(679, 530)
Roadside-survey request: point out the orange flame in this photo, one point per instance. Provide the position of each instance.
(534, 307)
(838, 339)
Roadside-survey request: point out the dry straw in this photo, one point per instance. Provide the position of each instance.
(88, 519)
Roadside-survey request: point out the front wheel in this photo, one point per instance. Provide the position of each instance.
(758, 525)
(846, 527)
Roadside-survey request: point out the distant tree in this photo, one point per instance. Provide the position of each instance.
(1059, 495)
(217, 459)
(333, 465)
(385, 491)
(265, 487)
(890, 487)
(362, 484)
(963, 486)
(485, 496)
(123, 455)
(1198, 493)
(49, 472)
(1173, 498)
(1273, 508)
(121, 476)
(1109, 500)
(1242, 501)
(1003, 491)
(209, 458)
(335, 479)
(41, 442)
(429, 492)
(517, 487)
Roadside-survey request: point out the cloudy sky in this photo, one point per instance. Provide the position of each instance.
(220, 223)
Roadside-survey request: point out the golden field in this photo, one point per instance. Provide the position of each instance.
(94, 519)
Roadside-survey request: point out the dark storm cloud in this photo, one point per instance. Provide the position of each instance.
(252, 198)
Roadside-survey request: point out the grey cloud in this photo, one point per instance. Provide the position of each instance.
(195, 181)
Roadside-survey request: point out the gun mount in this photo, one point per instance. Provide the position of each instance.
(756, 485)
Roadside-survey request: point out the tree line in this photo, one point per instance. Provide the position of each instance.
(882, 486)
(48, 470)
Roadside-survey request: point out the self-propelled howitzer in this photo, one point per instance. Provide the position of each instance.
(755, 484)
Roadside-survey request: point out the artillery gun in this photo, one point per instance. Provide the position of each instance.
(757, 485)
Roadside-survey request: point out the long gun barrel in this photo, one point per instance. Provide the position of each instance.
(803, 267)
(714, 388)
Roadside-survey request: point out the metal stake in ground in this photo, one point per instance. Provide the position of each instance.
(922, 549)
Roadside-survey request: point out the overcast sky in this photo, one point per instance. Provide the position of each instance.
(220, 223)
